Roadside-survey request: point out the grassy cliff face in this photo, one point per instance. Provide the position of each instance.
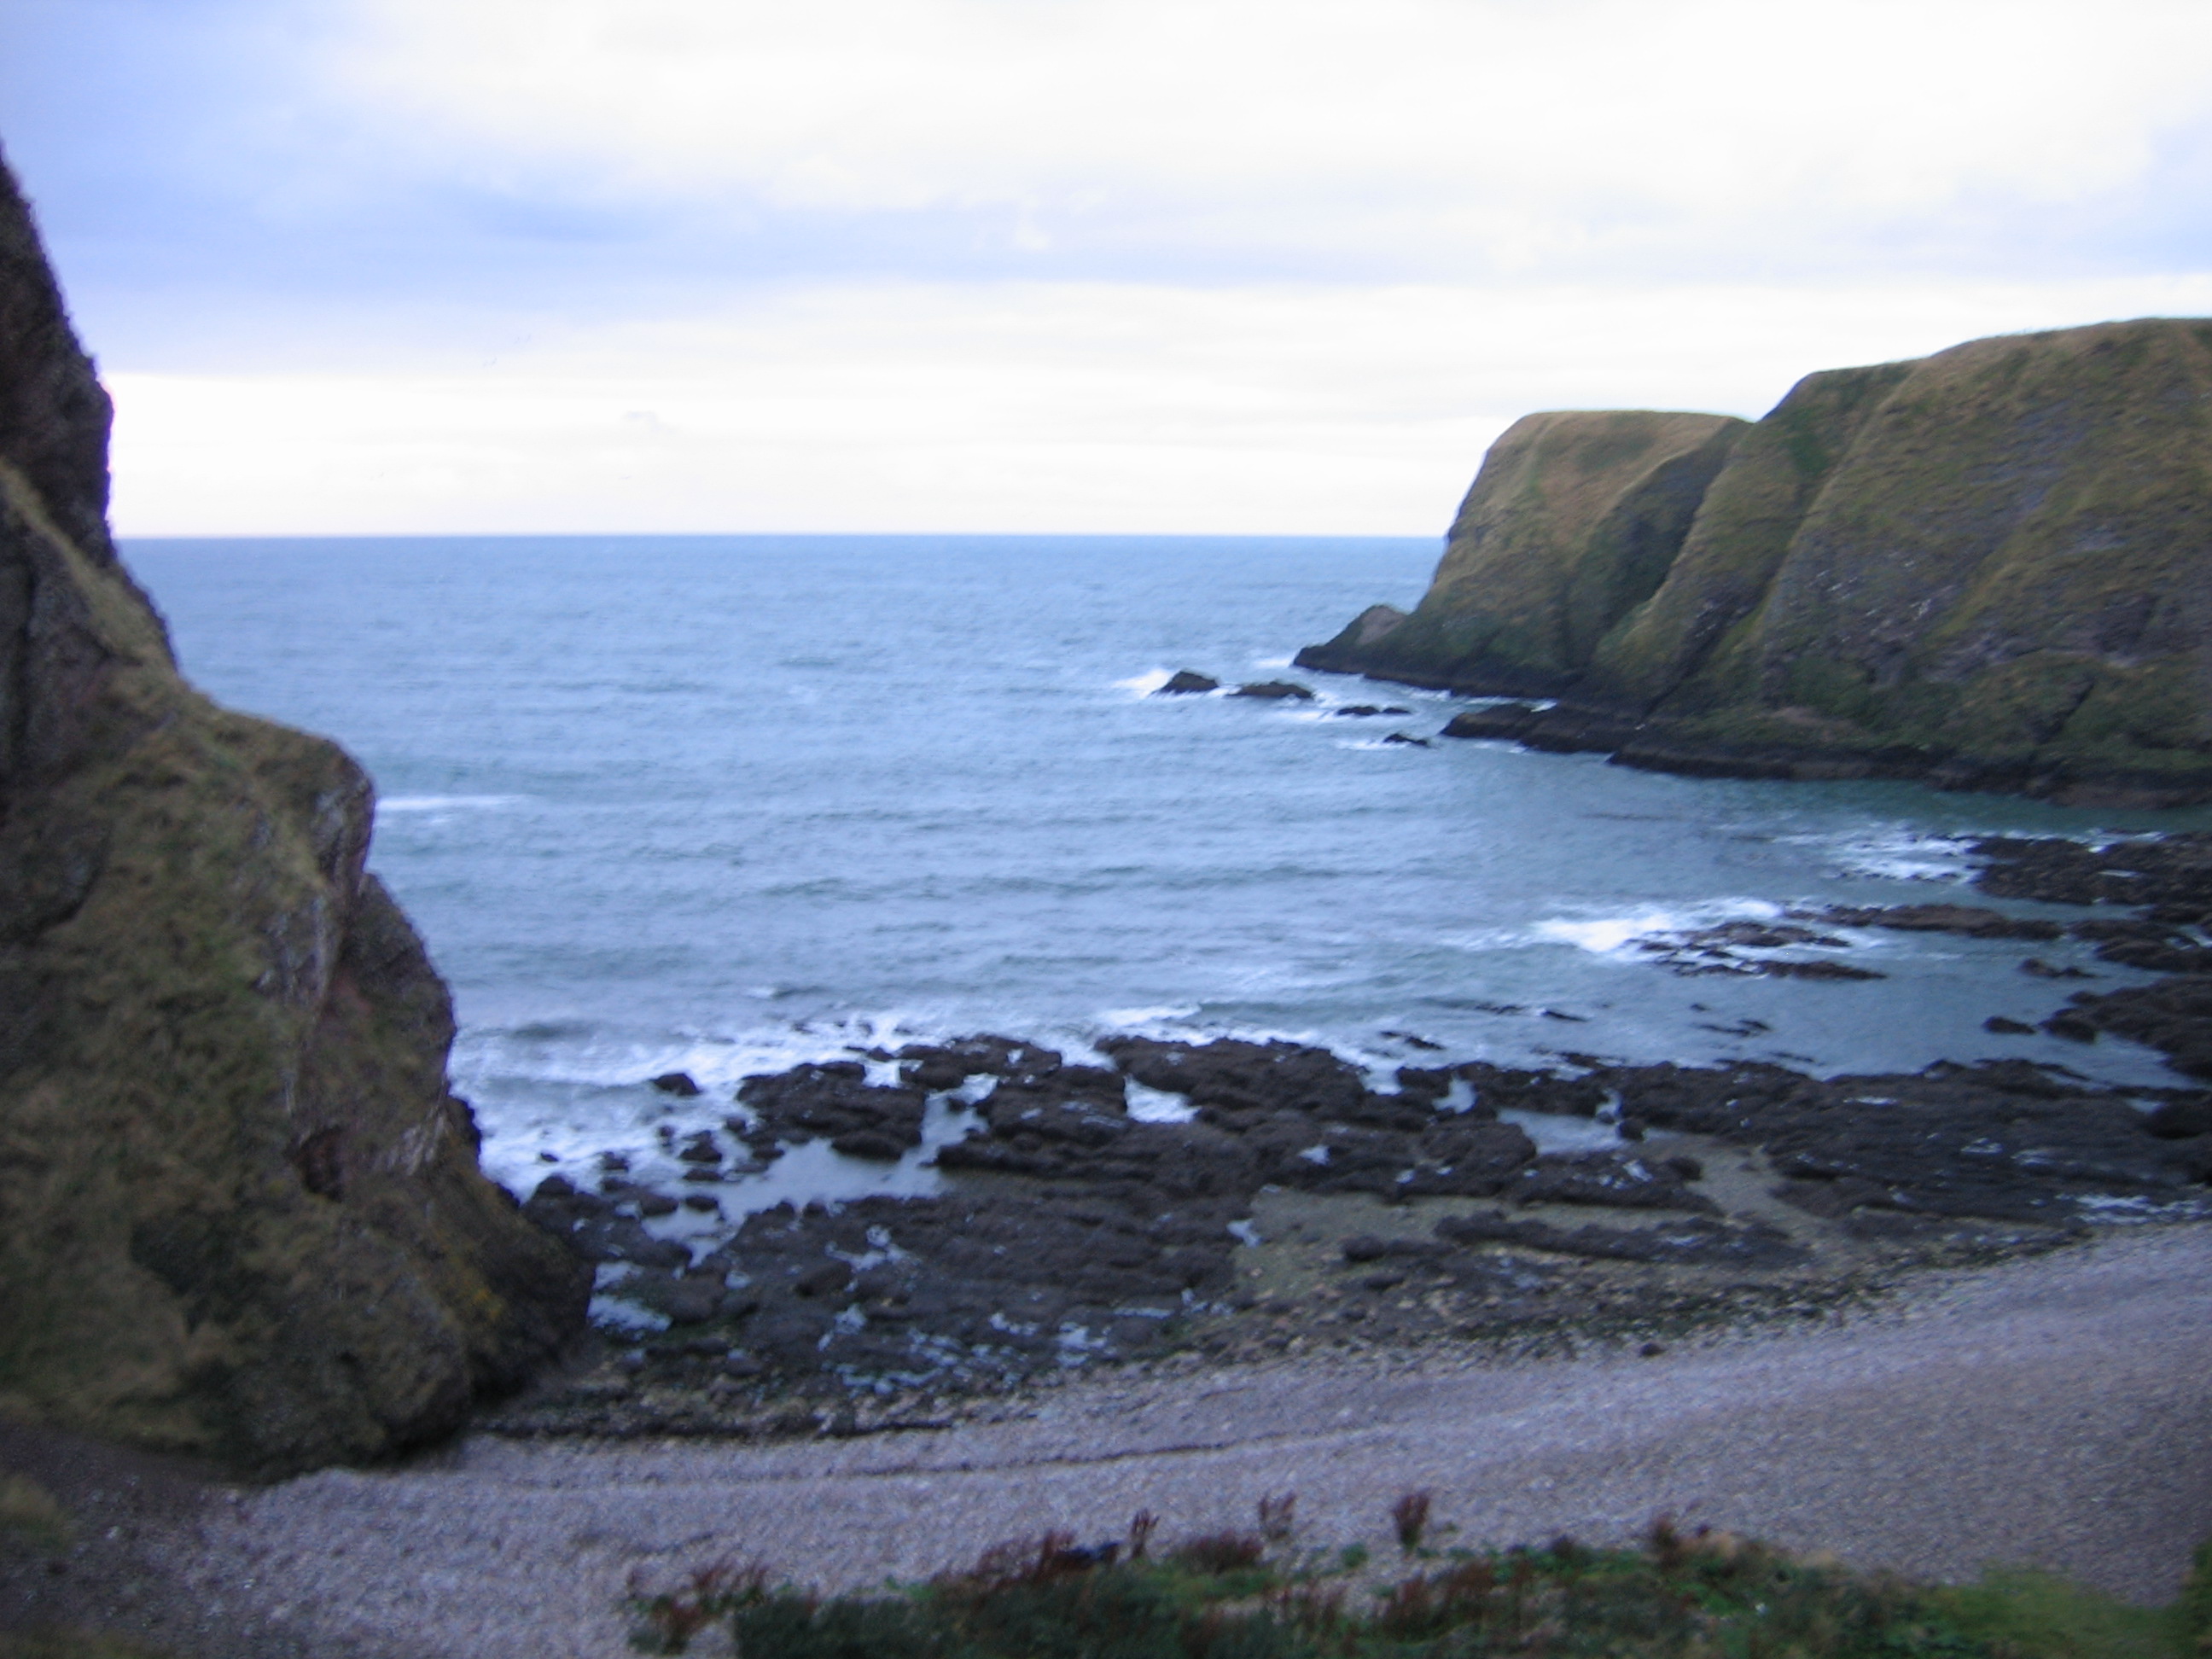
(1573, 521)
(1992, 567)
(242, 1214)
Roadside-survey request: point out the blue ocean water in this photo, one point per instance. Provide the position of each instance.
(720, 803)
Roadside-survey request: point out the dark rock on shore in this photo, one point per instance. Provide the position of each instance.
(1964, 919)
(1707, 597)
(243, 1214)
(1072, 1232)
(2167, 882)
(1186, 682)
(1698, 1239)
(1721, 950)
(833, 1101)
(2004, 1139)
(1275, 691)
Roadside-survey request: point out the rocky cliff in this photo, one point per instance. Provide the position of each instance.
(240, 1214)
(1991, 568)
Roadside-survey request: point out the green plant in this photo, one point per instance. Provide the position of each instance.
(1702, 1594)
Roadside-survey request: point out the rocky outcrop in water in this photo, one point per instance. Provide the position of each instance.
(240, 1212)
(1987, 569)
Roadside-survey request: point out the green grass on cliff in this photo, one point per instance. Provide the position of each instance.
(1233, 1597)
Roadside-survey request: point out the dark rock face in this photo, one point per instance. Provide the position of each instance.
(1889, 576)
(243, 1214)
(1188, 682)
(836, 1102)
(2169, 883)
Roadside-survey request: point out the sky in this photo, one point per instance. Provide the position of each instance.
(1184, 266)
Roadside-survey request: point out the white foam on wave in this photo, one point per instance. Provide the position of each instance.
(1611, 935)
(1145, 684)
(406, 804)
(1894, 853)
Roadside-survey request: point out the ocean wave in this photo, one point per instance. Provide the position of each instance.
(1611, 934)
(406, 803)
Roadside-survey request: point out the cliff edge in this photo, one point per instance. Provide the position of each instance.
(1991, 568)
(240, 1212)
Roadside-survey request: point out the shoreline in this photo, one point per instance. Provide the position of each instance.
(1291, 1205)
(1548, 720)
(2044, 1411)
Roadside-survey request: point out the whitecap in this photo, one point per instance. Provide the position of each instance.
(1609, 935)
(1145, 683)
(404, 803)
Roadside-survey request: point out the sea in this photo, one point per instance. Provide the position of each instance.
(720, 804)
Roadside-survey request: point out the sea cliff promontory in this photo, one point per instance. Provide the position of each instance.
(1991, 568)
(240, 1211)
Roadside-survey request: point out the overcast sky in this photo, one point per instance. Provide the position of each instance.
(1229, 265)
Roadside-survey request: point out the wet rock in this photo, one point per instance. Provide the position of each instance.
(1186, 682)
(2002, 1139)
(2005, 1027)
(829, 1100)
(1365, 711)
(683, 1298)
(1228, 1079)
(596, 1229)
(1505, 1088)
(701, 1149)
(1615, 1180)
(682, 1084)
(2069, 1024)
(1719, 950)
(1504, 722)
(2037, 968)
(2180, 1119)
(935, 1066)
(1971, 920)
(974, 1286)
(1696, 1241)
(2173, 872)
(1363, 1248)
(1275, 691)
(2173, 1014)
(823, 1279)
(1400, 738)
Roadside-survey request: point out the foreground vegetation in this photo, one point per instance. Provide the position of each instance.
(1231, 1596)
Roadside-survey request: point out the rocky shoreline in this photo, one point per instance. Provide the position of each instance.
(1264, 1199)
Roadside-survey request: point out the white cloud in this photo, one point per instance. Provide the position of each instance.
(1506, 134)
(1039, 407)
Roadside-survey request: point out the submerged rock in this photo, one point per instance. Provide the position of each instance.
(244, 1215)
(1977, 568)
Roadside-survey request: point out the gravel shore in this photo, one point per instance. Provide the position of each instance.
(2053, 1411)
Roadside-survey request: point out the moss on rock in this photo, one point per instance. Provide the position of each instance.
(243, 1213)
(1991, 566)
